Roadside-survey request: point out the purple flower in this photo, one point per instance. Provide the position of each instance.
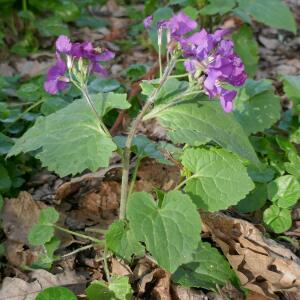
(148, 22)
(214, 58)
(63, 44)
(56, 80)
(181, 24)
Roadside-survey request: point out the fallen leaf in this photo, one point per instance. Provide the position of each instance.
(262, 265)
(182, 293)
(18, 216)
(18, 289)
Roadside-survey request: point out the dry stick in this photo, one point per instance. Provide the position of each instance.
(135, 124)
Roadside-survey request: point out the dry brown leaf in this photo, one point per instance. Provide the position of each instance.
(18, 216)
(18, 289)
(72, 186)
(262, 265)
(120, 268)
(183, 293)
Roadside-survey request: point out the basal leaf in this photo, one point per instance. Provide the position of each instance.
(274, 13)
(118, 289)
(219, 178)
(259, 111)
(278, 219)
(122, 241)
(40, 234)
(71, 140)
(284, 191)
(171, 231)
(194, 123)
(207, 270)
(56, 293)
(255, 200)
(48, 215)
(293, 167)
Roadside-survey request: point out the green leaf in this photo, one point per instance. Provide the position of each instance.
(52, 26)
(284, 191)
(246, 47)
(142, 147)
(218, 7)
(5, 181)
(255, 200)
(48, 216)
(71, 140)
(31, 91)
(118, 289)
(121, 240)
(67, 10)
(171, 231)
(208, 269)
(56, 293)
(274, 13)
(5, 143)
(291, 87)
(52, 104)
(293, 167)
(219, 178)
(258, 112)
(40, 234)
(278, 219)
(101, 85)
(46, 258)
(195, 123)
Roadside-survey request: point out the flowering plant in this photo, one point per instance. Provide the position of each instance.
(198, 112)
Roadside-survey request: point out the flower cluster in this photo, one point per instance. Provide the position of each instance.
(210, 58)
(84, 54)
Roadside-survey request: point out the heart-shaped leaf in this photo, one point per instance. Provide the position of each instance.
(171, 231)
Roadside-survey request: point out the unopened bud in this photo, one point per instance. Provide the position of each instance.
(159, 36)
(69, 62)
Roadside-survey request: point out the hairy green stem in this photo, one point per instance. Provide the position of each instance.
(135, 124)
(88, 99)
(133, 179)
(184, 182)
(105, 264)
(81, 235)
(76, 251)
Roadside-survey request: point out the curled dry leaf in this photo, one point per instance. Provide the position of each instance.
(180, 292)
(262, 265)
(18, 289)
(91, 179)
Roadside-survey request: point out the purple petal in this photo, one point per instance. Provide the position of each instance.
(63, 44)
(190, 66)
(105, 55)
(181, 24)
(148, 22)
(226, 99)
(97, 68)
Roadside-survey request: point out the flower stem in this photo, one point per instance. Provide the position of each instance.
(135, 124)
(88, 99)
(83, 236)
